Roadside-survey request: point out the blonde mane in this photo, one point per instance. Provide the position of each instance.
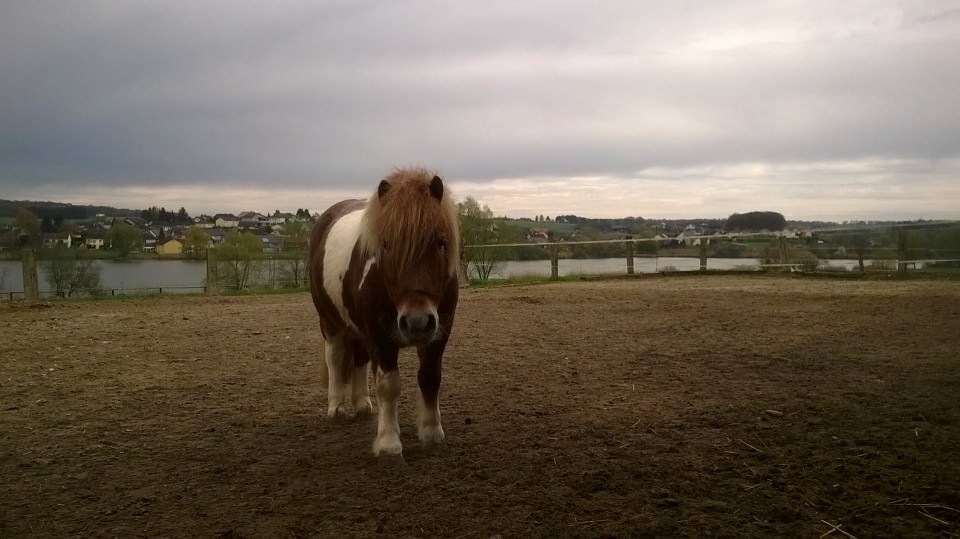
(409, 221)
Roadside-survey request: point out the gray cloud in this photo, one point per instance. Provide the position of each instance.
(332, 94)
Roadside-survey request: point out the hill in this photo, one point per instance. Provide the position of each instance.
(71, 212)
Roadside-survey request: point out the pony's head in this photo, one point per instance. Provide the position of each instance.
(411, 228)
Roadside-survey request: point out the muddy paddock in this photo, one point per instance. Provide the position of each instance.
(726, 406)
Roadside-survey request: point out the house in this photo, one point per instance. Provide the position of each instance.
(271, 244)
(8, 240)
(95, 239)
(280, 218)
(252, 216)
(538, 235)
(170, 247)
(149, 241)
(56, 239)
(226, 220)
(217, 235)
(203, 221)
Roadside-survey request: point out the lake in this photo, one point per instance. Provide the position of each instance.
(180, 276)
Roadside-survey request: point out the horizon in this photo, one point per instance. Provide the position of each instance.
(552, 217)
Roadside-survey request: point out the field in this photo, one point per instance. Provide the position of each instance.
(725, 406)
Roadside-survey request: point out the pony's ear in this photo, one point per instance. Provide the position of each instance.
(383, 188)
(436, 188)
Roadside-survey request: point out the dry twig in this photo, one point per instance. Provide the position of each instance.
(928, 515)
(836, 528)
(748, 445)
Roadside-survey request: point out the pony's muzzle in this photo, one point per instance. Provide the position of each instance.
(417, 327)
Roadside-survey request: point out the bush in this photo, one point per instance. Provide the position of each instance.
(805, 259)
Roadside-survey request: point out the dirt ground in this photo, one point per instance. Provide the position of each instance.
(724, 406)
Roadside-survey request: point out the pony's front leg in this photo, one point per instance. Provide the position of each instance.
(387, 443)
(338, 367)
(429, 427)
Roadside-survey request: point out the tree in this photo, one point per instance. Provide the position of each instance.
(70, 273)
(859, 243)
(295, 235)
(478, 228)
(196, 241)
(151, 214)
(124, 237)
(755, 221)
(239, 254)
(29, 226)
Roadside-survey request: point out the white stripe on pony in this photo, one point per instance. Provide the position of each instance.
(337, 252)
(366, 269)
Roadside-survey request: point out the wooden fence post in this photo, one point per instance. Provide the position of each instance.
(213, 274)
(31, 286)
(901, 250)
(629, 255)
(554, 262)
(783, 254)
(703, 253)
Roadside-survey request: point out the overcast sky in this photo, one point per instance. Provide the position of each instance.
(820, 110)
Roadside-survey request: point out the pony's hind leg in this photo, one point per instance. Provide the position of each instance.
(339, 367)
(361, 391)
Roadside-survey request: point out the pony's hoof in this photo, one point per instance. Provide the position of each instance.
(337, 413)
(364, 410)
(432, 436)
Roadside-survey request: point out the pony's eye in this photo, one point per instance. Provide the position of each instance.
(385, 248)
(442, 244)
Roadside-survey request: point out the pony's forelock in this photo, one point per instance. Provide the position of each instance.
(408, 218)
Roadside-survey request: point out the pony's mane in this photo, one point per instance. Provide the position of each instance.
(407, 218)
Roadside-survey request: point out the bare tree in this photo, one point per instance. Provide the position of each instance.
(295, 234)
(240, 254)
(477, 228)
(70, 273)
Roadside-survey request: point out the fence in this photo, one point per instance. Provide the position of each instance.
(220, 276)
(931, 246)
(899, 247)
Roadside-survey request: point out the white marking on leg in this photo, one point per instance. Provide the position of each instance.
(387, 441)
(429, 428)
(366, 270)
(334, 354)
(361, 391)
(336, 259)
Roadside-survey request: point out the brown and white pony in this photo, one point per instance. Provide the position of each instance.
(383, 275)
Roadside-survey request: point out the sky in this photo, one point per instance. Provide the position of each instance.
(821, 110)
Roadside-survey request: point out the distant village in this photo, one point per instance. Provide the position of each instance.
(168, 234)
(165, 236)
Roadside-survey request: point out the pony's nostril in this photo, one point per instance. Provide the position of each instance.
(403, 323)
(431, 321)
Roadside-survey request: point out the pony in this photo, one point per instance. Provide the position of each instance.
(384, 276)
